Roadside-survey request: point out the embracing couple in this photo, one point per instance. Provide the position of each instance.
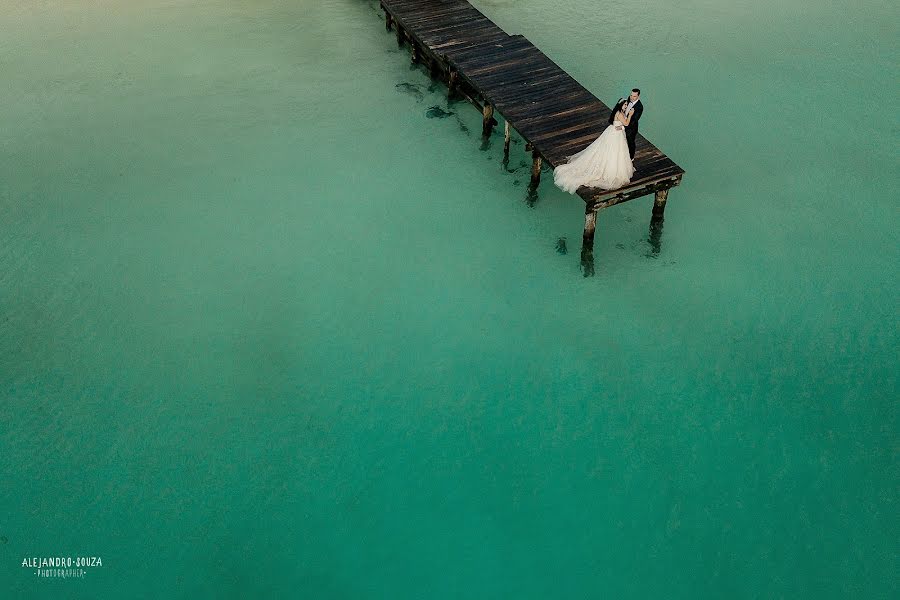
(607, 162)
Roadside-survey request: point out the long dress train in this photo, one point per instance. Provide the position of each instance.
(605, 164)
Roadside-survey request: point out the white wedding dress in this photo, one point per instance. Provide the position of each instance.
(604, 164)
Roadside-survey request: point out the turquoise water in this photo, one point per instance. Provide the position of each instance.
(267, 329)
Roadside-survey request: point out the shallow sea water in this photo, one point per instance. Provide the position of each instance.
(271, 324)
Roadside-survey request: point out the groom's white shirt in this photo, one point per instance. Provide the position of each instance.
(631, 104)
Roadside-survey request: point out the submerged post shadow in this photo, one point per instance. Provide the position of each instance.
(655, 236)
(531, 196)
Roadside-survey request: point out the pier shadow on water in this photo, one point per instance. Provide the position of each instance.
(562, 246)
(436, 112)
(531, 196)
(411, 89)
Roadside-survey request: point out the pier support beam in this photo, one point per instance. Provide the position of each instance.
(487, 119)
(387, 20)
(414, 52)
(506, 139)
(535, 169)
(587, 238)
(659, 203)
(451, 82)
(656, 222)
(399, 35)
(590, 226)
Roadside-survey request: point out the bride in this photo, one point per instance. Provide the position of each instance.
(604, 164)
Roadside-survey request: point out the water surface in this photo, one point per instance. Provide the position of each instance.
(273, 324)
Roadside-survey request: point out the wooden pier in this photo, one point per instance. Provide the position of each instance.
(507, 75)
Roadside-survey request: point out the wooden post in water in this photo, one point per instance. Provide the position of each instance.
(590, 225)
(656, 222)
(659, 203)
(506, 138)
(535, 169)
(451, 82)
(414, 51)
(487, 120)
(587, 238)
(399, 35)
(387, 20)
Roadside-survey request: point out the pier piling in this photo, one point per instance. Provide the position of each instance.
(659, 202)
(451, 83)
(487, 120)
(535, 169)
(506, 139)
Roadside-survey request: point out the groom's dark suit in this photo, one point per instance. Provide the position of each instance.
(632, 128)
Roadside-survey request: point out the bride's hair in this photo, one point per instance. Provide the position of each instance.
(616, 108)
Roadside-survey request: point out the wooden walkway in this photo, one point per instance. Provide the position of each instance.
(553, 113)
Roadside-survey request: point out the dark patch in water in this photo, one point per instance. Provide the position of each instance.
(412, 89)
(561, 246)
(3, 539)
(436, 112)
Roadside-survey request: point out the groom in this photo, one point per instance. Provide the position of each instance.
(634, 101)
